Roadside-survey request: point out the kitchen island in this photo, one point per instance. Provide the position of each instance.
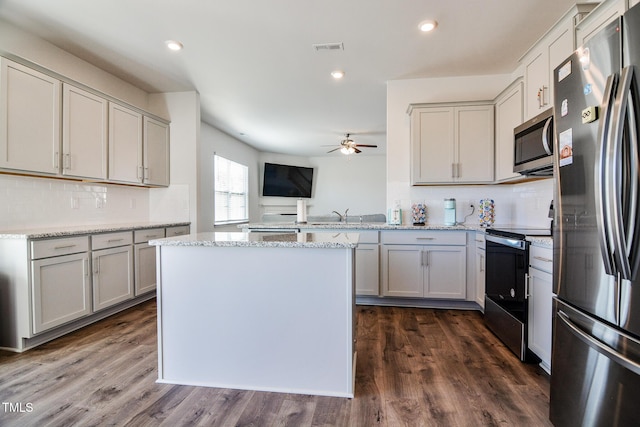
(258, 311)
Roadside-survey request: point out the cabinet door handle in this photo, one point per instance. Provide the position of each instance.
(66, 163)
(539, 258)
(96, 265)
(453, 170)
(425, 258)
(63, 247)
(140, 173)
(85, 267)
(56, 160)
(146, 173)
(481, 263)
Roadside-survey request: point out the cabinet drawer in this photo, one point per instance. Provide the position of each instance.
(141, 236)
(177, 231)
(541, 258)
(55, 247)
(425, 237)
(111, 240)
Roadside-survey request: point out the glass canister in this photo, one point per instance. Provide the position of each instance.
(486, 213)
(449, 211)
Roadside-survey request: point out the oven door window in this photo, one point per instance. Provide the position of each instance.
(505, 278)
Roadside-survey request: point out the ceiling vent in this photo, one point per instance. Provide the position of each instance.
(328, 46)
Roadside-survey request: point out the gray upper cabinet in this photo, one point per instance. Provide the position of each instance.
(509, 114)
(29, 119)
(84, 134)
(125, 144)
(452, 143)
(156, 152)
(52, 126)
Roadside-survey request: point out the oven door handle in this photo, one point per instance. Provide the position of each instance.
(505, 241)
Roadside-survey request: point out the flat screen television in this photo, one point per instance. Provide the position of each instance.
(287, 181)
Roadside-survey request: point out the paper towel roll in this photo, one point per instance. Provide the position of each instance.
(301, 212)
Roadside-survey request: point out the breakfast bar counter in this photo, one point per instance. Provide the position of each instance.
(258, 311)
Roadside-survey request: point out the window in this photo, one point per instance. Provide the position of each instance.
(231, 191)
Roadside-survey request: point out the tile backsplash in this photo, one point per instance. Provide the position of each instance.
(27, 202)
(523, 204)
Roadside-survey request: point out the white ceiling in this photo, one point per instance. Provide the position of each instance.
(254, 65)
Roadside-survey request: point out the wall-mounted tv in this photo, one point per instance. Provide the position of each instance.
(287, 181)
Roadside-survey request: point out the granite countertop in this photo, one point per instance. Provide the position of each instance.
(66, 231)
(542, 241)
(266, 240)
(355, 226)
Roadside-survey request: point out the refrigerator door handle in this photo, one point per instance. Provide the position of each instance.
(597, 345)
(623, 237)
(545, 136)
(603, 219)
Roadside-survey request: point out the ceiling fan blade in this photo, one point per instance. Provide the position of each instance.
(365, 145)
(357, 151)
(331, 151)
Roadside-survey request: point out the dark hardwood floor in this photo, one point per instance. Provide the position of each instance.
(416, 367)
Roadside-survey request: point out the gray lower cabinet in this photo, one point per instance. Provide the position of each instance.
(112, 265)
(50, 286)
(145, 255)
(368, 263)
(424, 264)
(540, 284)
(145, 259)
(60, 282)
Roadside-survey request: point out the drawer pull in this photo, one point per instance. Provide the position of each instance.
(539, 258)
(114, 240)
(64, 247)
(425, 238)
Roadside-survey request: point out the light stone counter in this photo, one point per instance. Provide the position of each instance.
(542, 241)
(65, 231)
(354, 226)
(263, 240)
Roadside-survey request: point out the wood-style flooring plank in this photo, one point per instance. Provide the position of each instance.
(415, 367)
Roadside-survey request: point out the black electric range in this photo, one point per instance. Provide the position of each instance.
(518, 231)
(506, 293)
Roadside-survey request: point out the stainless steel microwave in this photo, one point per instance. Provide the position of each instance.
(533, 146)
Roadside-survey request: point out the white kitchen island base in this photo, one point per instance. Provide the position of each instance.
(274, 318)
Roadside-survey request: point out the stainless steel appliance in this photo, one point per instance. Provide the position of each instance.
(506, 305)
(533, 145)
(596, 347)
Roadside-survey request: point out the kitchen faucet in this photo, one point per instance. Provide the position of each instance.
(342, 218)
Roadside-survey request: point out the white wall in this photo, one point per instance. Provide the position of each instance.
(16, 42)
(341, 182)
(519, 203)
(179, 202)
(213, 142)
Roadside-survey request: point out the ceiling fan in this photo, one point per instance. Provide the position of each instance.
(348, 146)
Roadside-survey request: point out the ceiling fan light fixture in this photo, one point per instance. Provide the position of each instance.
(347, 150)
(428, 25)
(338, 74)
(174, 45)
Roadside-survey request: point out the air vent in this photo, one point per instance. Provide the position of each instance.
(328, 46)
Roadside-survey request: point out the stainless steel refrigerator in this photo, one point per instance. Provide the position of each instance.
(595, 369)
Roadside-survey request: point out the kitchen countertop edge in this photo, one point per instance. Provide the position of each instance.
(68, 231)
(225, 239)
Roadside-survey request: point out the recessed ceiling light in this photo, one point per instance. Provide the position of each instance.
(428, 25)
(337, 74)
(174, 45)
